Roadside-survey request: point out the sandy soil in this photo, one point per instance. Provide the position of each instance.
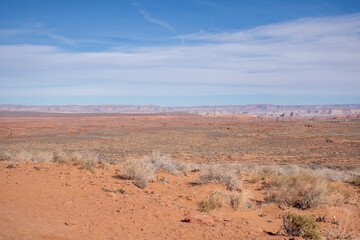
(45, 201)
(49, 201)
(189, 137)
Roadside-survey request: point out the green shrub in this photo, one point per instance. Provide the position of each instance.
(206, 206)
(301, 226)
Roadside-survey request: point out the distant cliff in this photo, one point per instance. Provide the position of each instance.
(266, 110)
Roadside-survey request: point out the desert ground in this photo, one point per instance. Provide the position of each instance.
(178, 176)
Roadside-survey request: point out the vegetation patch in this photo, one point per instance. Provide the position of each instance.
(300, 191)
(140, 170)
(301, 226)
(85, 160)
(356, 181)
(219, 199)
(214, 174)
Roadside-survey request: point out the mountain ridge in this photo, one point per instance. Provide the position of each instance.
(266, 110)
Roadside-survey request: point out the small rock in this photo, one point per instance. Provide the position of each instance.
(70, 223)
(256, 230)
(201, 219)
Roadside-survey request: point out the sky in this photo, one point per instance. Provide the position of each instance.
(179, 52)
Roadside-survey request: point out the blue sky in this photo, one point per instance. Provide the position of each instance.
(179, 52)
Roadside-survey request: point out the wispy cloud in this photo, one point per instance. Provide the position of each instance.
(149, 18)
(36, 29)
(307, 29)
(317, 56)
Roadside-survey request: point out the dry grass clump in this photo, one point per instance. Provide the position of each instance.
(163, 162)
(140, 170)
(61, 157)
(143, 170)
(189, 166)
(255, 179)
(86, 160)
(331, 173)
(346, 227)
(220, 199)
(27, 156)
(300, 191)
(355, 180)
(334, 175)
(6, 156)
(266, 170)
(301, 226)
(214, 174)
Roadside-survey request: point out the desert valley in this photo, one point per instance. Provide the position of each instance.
(178, 175)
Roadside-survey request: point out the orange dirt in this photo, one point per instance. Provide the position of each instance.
(188, 137)
(45, 201)
(48, 201)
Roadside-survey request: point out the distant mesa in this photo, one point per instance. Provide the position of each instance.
(265, 110)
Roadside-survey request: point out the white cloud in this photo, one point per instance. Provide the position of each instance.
(308, 56)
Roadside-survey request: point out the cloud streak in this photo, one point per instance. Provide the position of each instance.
(318, 56)
(163, 24)
(36, 30)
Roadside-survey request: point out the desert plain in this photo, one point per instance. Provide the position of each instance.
(212, 177)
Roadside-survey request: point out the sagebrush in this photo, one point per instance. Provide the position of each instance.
(301, 225)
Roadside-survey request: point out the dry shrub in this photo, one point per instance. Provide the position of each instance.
(85, 160)
(300, 191)
(221, 199)
(39, 156)
(215, 175)
(6, 156)
(27, 156)
(207, 206)
(332, 174)
(255, 179)
(61, 157)
(22, 156)
(241, 200)
(355, 180)
(188, 166)
(140, 170)
(163, 162)
(301, 226)
(142, 183)
(345, 228)
(341, 173)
